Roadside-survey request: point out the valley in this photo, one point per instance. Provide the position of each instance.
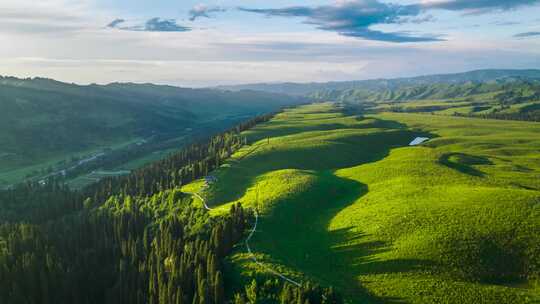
(48, 128)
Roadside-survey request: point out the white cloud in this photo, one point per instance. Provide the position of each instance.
(54, 16)
(187, 73)
(68, 40)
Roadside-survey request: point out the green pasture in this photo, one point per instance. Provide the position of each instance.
(12, 172)
(345, 201)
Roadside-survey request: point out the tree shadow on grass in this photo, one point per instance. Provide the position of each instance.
(362, 252)
(357, 255)
(354, 253)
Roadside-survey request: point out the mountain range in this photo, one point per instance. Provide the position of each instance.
(42, 118)
(486, 75)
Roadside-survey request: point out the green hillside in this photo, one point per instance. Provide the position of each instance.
(344, 201)
(504, 99)
(504, 91)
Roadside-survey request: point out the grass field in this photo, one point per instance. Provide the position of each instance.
(15, 173)
(346, 202)
(87, 179)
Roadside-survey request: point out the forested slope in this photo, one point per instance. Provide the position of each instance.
(43, 120)
(131, 239)
(41, 116)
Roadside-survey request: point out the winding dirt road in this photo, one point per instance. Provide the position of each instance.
(251, 233)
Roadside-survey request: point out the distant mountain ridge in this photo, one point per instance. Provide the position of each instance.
(303, 89)
(41, 118)
(504, 90)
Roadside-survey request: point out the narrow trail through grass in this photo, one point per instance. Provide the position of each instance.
(246, 242)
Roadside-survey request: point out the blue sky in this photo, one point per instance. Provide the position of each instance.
(194, 43)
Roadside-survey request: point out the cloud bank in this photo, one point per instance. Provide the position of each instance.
(477, 6)
(116, 23)
(152, 25)
(527, 35)
(204, 11)
(354, 18)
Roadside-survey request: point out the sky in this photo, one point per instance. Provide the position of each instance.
(197, 44)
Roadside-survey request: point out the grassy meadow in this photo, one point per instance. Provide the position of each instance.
(12, 172)
(344, 201)
(459, 106)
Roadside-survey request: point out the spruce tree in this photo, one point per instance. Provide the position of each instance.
(219, 291)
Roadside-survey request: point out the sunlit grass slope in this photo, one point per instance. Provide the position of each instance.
(345, 202)
(458, 219)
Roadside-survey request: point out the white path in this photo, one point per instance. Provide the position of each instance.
(202, 200)
(253, 257)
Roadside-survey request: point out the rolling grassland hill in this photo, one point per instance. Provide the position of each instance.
(345, 201)
(505, 99)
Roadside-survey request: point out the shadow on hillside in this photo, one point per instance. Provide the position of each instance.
(336, 258)
(352, 252)
(284, 128)
(381, 123)
(341, 152)
(464, 163)
(361, 252)
(358, 256)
